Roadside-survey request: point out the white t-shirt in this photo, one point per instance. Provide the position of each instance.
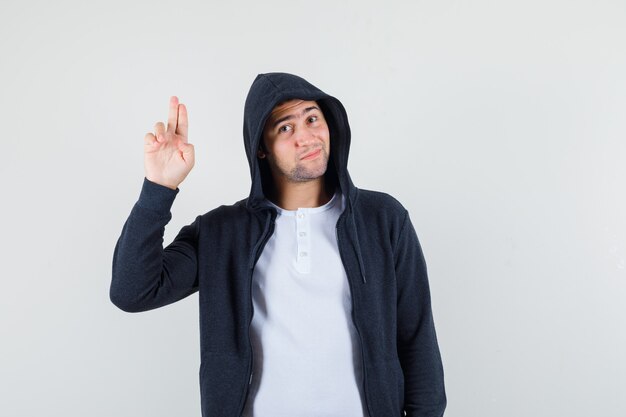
(307, 358)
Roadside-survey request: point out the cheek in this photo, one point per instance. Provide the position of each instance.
(326, 138)
(325, 133)
(283, 151)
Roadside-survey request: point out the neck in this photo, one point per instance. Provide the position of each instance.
(295, 195)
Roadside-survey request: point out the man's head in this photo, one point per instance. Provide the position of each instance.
(296, 141)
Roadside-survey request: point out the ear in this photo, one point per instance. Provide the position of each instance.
(260, 154)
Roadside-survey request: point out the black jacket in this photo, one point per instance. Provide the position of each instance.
(216, 254)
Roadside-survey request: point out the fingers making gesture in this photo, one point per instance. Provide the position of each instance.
(168, 156)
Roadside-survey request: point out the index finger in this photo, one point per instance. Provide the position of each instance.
(172, 119)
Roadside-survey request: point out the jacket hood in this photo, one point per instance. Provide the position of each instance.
(266, 92)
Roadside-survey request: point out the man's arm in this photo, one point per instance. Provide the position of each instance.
(418, 350)
(146, 276)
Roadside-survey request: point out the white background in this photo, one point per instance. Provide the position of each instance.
(499, 125)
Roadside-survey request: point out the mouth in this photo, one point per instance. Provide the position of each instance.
(311, 155)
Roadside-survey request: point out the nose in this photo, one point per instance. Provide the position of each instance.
(304, 137)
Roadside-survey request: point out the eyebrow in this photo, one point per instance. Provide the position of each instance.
(282, 119)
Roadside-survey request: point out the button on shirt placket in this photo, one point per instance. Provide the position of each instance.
(303, 237)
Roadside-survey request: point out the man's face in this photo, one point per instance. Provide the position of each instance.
(297, 141)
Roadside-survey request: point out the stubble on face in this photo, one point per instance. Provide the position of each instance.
(304, 171)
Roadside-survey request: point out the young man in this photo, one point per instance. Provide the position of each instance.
(314, 297)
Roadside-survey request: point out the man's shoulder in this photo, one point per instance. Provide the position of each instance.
(372, 200)
(225, 212)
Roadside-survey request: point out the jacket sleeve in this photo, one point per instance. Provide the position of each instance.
(418, 350)
(146, 276)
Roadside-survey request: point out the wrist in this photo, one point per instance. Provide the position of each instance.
(163, 183)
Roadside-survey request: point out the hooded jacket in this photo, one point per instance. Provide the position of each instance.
(215, 256)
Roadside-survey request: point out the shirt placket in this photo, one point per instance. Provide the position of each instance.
(303, 237)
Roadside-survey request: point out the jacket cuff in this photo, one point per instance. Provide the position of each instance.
(156, 197)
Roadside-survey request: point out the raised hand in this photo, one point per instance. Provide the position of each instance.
(168, 157)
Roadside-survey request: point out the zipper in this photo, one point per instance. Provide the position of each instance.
(251, 361)
(364, 385)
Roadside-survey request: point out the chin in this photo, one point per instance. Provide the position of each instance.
(309, 174)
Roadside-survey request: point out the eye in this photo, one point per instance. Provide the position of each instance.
(313, 119)
(283, 128)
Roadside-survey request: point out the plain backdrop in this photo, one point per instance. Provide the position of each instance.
(500, 125)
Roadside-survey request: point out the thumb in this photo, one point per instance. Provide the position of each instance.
(186, 148)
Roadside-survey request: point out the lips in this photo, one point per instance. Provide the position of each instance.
(312, 154)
